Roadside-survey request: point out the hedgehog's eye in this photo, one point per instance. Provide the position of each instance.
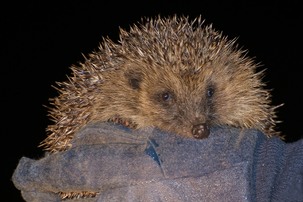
(210, 91)
(166, 96)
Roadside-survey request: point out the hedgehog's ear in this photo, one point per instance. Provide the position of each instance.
(134, 78)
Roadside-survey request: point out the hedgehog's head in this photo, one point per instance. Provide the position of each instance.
(185, 79)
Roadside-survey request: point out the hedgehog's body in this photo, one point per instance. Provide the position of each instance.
(170, 73)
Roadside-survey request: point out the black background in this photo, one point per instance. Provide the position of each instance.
(40, 40)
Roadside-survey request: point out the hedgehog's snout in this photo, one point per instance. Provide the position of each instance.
(200, 131)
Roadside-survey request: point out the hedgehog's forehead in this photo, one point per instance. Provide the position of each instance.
(176, 78)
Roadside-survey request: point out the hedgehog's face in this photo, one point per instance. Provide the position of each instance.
(189, 103)
(175, 102)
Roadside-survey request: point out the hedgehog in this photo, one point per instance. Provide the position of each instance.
(179, 75)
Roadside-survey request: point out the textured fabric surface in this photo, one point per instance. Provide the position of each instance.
(150, 165)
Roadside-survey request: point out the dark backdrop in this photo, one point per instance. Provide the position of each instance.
(40, 40)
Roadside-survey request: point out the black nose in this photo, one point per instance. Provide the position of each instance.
(200, 131)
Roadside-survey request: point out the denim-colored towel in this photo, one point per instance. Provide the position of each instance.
(150, 165)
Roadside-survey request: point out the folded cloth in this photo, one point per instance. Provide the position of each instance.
(150, 165)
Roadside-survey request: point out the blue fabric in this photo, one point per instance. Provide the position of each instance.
(150, 165)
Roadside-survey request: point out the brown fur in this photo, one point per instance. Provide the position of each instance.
(170, 73)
